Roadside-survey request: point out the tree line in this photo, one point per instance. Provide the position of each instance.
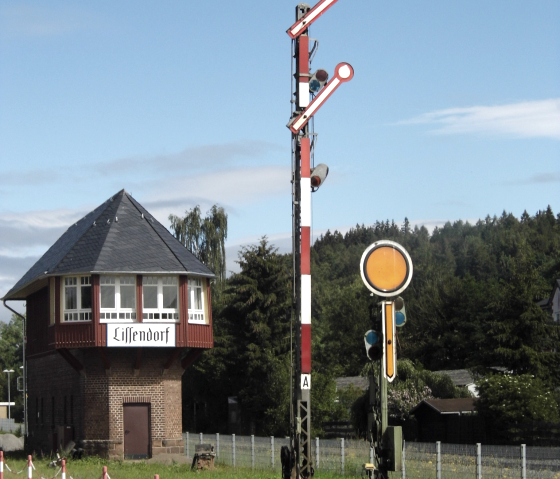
(472, 303)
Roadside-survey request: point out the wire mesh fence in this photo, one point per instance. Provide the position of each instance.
(420, 460)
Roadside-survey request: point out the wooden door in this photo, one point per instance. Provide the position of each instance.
(136, 419)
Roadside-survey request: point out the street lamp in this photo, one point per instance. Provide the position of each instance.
(9, 399)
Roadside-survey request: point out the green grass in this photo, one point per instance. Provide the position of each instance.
(92, 467)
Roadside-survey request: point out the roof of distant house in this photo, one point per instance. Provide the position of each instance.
(118, 236)
(448, 406)
(358, 382)
(460, 377)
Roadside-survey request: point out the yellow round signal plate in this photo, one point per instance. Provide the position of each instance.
(386, 268)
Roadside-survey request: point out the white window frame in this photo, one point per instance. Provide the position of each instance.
(161, 314)
(196, 316)
(78, 315)
(117, 314)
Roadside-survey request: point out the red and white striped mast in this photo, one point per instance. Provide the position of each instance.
(305, 179)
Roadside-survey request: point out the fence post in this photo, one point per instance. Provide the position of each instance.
(29, 467)
(342, 456)
(1, 464)
(156, 476)
(272, 452)
(438, 460)
(201, 439)
(104, 475)
(233, 448)
(478, 461)
(403, 475)
(523, 461)
(317, 455)
(218, 445)
(63, 473)
(252, 451)
(187, 445)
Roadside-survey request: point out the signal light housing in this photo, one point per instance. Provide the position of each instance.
(318, 80)
(400, 312)
(374, 348)
(319, 175)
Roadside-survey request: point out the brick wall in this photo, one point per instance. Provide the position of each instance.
(98, 398)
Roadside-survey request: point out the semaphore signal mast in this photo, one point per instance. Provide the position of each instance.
(311, 92)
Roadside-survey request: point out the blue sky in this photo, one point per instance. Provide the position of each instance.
(453, 113)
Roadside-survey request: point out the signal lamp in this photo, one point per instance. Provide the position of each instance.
(318, 80)
(400, 312)
(319, 175)
(372, 342)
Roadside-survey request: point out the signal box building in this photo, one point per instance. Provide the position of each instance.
(117, 309)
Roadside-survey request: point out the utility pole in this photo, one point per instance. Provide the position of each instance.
(306, 178)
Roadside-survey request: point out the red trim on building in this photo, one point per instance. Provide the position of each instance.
(139, 307)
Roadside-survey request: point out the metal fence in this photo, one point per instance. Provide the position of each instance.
(420, 460)
(9, 425)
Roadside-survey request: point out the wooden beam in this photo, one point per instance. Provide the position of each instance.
(72, 361)
(191, 356)
(137, 362)
(170, 361)
(106, 362)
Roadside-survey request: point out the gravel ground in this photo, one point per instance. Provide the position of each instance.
(9, 442)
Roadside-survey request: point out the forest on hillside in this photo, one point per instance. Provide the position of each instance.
(472, 303)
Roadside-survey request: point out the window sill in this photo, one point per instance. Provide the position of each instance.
(89, 321)
(161, 321)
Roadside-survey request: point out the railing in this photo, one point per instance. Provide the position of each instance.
(420, 460)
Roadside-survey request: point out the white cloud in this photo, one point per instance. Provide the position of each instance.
(530, 119)
(230, 188)
(31, 233)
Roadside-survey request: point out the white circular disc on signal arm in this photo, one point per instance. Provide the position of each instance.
(386, 268)
(344, 71)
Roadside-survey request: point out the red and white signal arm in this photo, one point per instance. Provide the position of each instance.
(303, 23)
(342, 73)
(386, 268)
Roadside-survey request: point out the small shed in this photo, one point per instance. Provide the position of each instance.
(448, 420)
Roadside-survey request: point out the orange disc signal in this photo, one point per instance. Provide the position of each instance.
(386, 268)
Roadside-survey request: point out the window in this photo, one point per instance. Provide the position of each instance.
(118, 298)
(77, 298)
(160, 298)
(196, 301)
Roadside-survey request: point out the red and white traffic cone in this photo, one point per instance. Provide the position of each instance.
(29, 467)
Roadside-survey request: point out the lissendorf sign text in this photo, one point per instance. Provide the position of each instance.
(141, 335)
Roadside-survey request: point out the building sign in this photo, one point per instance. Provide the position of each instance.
(141, 335)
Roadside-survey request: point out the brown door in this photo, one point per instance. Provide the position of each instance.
(136, 431)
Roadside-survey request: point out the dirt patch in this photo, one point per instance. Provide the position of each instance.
(169, 459)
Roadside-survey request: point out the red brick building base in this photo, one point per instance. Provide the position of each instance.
(88, 405)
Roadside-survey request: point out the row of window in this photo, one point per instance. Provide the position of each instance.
(117, 299)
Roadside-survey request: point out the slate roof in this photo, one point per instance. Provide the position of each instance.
(118, 236)
(356, 381)
(460, 377)
(448, 406)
